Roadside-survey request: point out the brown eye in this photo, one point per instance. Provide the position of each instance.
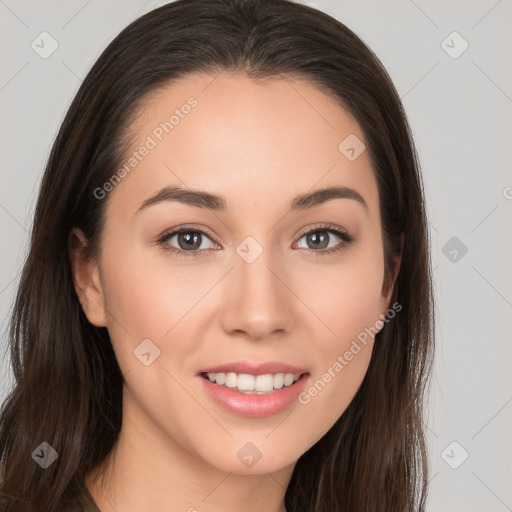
(186, 242)
(318, 239)
(323, 239)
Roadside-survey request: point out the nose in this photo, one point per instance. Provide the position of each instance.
(257, 300)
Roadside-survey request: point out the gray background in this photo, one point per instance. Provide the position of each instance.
(460, 111)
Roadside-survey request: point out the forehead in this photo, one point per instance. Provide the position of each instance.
(250, 141)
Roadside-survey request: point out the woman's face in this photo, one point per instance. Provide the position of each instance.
(251, 286)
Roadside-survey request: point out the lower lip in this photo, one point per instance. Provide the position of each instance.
(254, 406)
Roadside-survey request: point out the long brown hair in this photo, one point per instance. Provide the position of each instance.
(68, 385)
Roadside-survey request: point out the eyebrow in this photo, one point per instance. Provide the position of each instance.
(218, 203)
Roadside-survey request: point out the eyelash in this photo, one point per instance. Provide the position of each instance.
(346, 240)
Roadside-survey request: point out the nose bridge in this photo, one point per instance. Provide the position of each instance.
(259, 301)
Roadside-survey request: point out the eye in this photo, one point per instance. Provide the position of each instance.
(190, 241)
(320, 237)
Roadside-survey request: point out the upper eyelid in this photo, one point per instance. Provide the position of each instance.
(324, 227)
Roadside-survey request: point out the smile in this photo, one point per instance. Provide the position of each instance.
(261, 399)
(252, 384)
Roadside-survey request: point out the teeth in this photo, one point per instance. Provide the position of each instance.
(254, 383)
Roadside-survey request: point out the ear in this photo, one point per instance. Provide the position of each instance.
(388, 291)
(86, 279)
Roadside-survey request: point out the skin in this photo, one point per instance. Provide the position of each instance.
(259, 145)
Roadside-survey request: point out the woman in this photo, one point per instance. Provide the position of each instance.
(227, 302)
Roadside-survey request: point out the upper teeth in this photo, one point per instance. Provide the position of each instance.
(261, 383)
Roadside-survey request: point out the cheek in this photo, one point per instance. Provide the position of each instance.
(139, 303)
(331, 389)
(349, 307)
(146, 298)
(152, 296)
(345, 296)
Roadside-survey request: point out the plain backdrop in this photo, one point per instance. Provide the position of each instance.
(451, 63)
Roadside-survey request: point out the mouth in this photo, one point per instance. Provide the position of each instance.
(253, 396)
(262, 384)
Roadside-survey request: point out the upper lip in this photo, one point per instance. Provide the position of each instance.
(251, 368)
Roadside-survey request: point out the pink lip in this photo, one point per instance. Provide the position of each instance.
(254, 406)
(253, 368)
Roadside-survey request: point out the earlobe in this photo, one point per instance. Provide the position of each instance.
(86, 279)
